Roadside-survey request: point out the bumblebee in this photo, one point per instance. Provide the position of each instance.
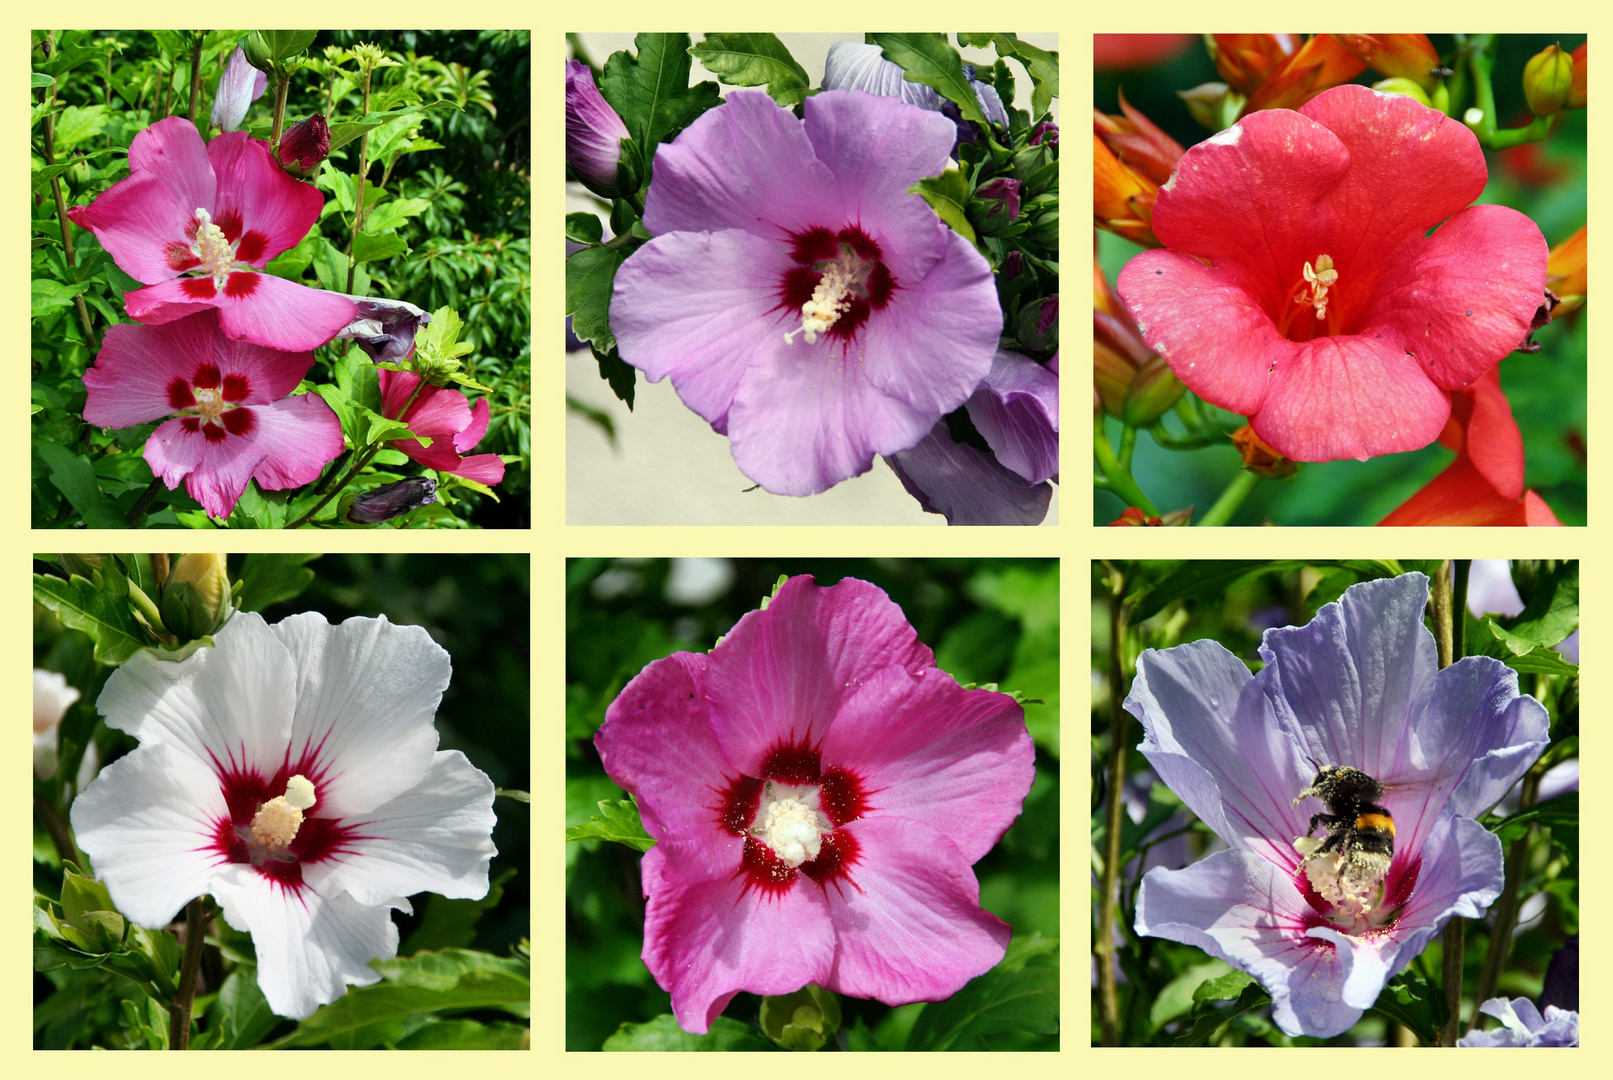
(1361, 830)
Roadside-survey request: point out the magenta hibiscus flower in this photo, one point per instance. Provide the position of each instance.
(233, 420)
(1300, 288)
(448, 419)
(818, 791)
(803, 302)
(197, 222)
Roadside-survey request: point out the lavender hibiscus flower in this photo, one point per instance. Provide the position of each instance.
(1359, 687)
(818, 791)
(803, 302)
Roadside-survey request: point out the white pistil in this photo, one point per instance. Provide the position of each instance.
(275, 825)
(789, 822)
(844, 279)
(214, 249)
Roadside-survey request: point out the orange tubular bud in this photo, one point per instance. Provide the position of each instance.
(1320, 64)
(1246, 60)
(1576, 91)
(1122, 201)
(1566, 271)
(1140, 145)
(1403, 56)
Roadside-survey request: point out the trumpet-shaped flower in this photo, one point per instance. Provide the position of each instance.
(232, 419)
(448, 419)
(803, 302)
(818, 791)
(1301, 288)
(1359, 687)
(292, 772)
(197, 223)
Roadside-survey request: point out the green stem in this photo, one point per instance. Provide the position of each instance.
(1445, 617)
(61, 837)
(359, 199)
(1482, 62)
(1128, 443)
(1117, 478)
(195, 76)
(1506, 906)
(61, 214)
(1537, 131)
(281, 88)
(1464, 569)
(189, 970)
(360, 459)
(1103, 944)
(1230, 499)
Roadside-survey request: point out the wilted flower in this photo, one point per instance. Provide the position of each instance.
(1360, 688)
(803, 302)
(392, 500)
(292, 772)
(1522, 1025)
(234, 416)
(239, 86)
(385, 329)
(818, 791)
(1301, 288)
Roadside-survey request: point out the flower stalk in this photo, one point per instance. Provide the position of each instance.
(196, 919)
(1116, 477)
(360, 459)
(1231, 498)
(1104, 944)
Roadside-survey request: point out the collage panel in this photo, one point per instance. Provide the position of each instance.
(281, 278)
(812, 804)
(1351, 263)
(282, 801)
(1336, 802)
(812, 278)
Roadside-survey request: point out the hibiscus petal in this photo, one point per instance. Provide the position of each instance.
(147, 824)
(300, 436)
(266, 310)
(310, 948)
(367, 692)
(472, 432)
(707, 937)
(268, 201)
(141, 225)
(967, 485)
(1016, 410)
(435, 837)
(483, 468)
(934, 751)
(215, 472)
(910, 928)
(781, 674)
(747, 165)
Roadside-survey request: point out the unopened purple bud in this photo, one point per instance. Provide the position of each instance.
(390, 500)
(239, 86)
(594, 132)
(384, 329)
(305, 144)
(1047, 132)
(1013, 265)
(1001, 203)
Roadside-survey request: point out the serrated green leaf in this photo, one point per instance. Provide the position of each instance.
(590, 275)
(108, 620)
(273, 578)
(49, 296)
(930, 60)
(651, 92)
(947, 195)
(664, 1034)
(617, 822)
(755, 60)
(618, 374)
(1042, 65)
(390, 215)
(996, 1003)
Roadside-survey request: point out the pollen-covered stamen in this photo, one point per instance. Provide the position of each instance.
(1350, 880)
(213, 248)
(845, 277)
(209, 402)
(275, 824)
(1318, 281)
(789, 821)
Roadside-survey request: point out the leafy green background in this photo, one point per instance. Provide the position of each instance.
(458, 983)
(988, 620)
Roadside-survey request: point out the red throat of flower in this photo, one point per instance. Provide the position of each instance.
(838, 280)
(1314, 311)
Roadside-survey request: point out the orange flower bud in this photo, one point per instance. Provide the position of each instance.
(1122, 201)
(1260, 458)
(1576, 90)
(1320, 64)
(1404, 56)
(1566, 270)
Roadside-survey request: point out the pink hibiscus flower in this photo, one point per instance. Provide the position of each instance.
(197, 222)
(1300, 287)
(818, 791)
(232, 419)
(448, 419)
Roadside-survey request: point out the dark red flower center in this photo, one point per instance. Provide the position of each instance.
(275, 823)
(791, 816)
(839, 278)
(210, 398)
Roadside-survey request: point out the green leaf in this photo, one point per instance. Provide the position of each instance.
(663, 1033)
(947, 195)
(427, 982)
(344, 133)
(1418, 1005)
(370, 246)
(449, 923)
(84, 605)
(928, 59)
(590, 273)
(74, 125)
(464, 1035)
(618, 373)
(282, 45)
(390, 215)
(755, 60)
(39, 80)
(1042, 65)
(273, 578)
(1207, 1019)
(1553, 609)
(72, 475)
(581, 228)
(616, 821)
(651, 92)
(1541, 661)
(998, 1002)
(49, 296)
(1553, 813)
(245, 1015)
(262, 509)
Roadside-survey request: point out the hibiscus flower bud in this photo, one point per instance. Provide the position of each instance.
(1547, 79)
(594, 132)
(195, 600)
(1047, 133)
(804, 1020)
(384, 328)
(1259, 458)
(304, 145)
(1038, 326)
(995, 205)
(391, 500)
(1576, 90)
(239, 86)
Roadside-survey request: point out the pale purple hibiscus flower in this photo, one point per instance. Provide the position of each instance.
(594, 132)
(1360, 686)
(291, 772)
(818, 791)
(197, 222)
(234, 417)
(1523, 1025)
(803, 302)
(448, 419)
(238, 87)
(1016, 412)
(856, 65)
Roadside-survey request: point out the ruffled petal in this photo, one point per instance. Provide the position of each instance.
(275, 210)
(261, 308)
(215, 471)
(1016, 410)
(300, 436)
(141, 227)
(148, 824)
(435, 837)
(367, 691)
(310, 948)
(854, 65)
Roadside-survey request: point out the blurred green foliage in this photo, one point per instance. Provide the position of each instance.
(988, 621)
